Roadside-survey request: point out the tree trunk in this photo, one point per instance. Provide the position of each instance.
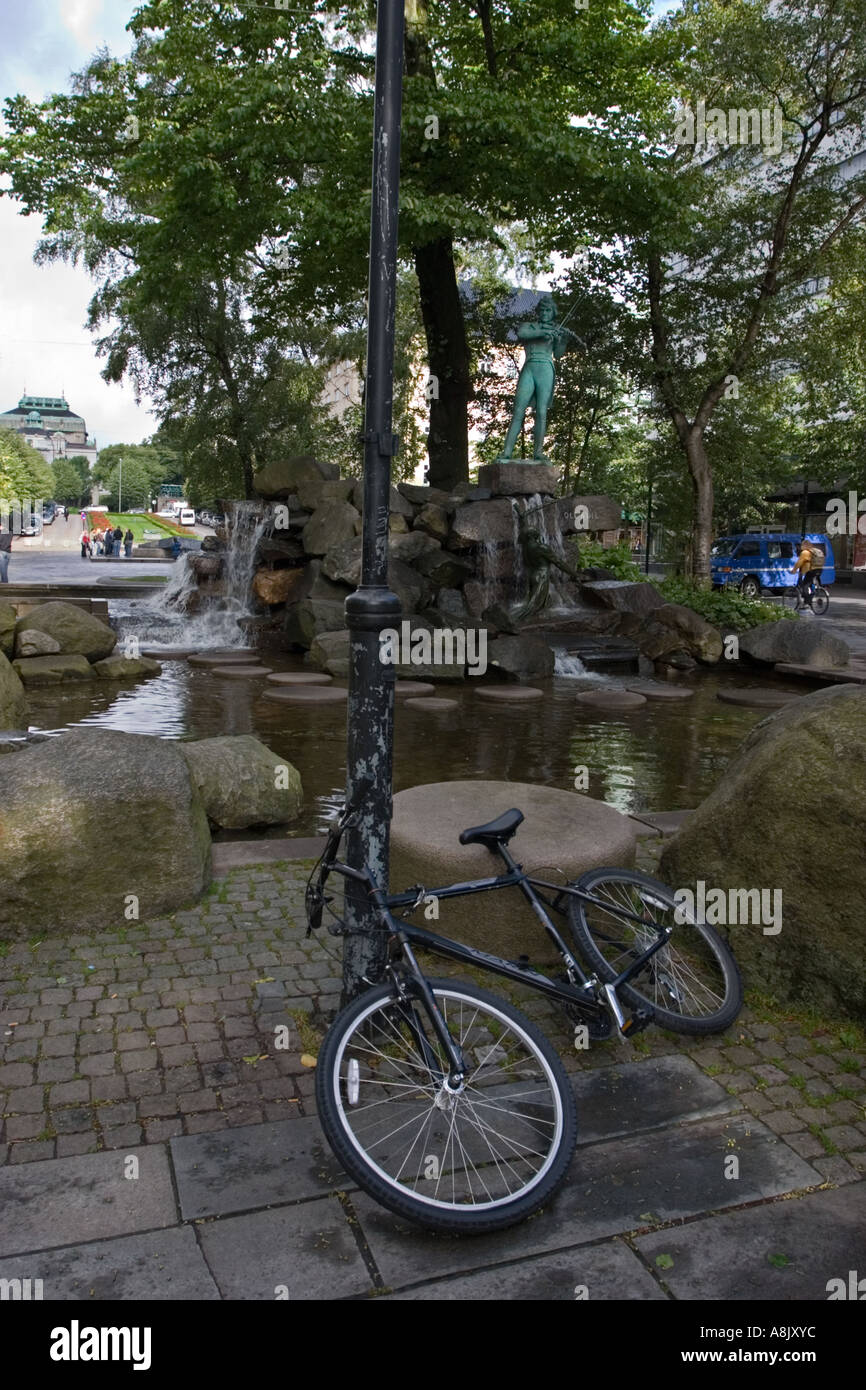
(702, 524)
(448, 363)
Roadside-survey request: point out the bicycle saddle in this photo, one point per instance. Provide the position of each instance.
(495, 832)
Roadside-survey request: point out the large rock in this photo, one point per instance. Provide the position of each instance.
(311, 616)
(412, 546)
(53, 670)
(525, 657)
(8, 619)
(448, 647)
(789, 814)
(241, 782)
(76, 630)
(593, 512)
(520, 478)
(275, 586)
(803, 643)
(13, 703)
(313, 492)
(280, 479)
(421, 495)
(624, 596)
(443, 569)
(478, 522)
(126, 668)
(331, 524)
(434, 520)
(329, 651)
(31, 642)
(561, 831)
(80, 849)
(342, 563)
(698, 637)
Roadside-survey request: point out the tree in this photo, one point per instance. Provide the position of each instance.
(69, 486)
(25, 477)
(741, 236)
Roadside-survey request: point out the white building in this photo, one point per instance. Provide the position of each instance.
(47, 423)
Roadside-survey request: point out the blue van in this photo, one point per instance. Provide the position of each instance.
(763, 560)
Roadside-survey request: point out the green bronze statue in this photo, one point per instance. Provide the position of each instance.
(544, 342)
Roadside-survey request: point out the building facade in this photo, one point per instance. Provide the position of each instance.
(47, 423)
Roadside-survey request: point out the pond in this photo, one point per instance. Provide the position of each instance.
(661, 757)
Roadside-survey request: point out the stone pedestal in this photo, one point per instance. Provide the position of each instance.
(518, 478)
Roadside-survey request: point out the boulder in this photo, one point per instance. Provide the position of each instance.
(342, 562)
(443, 569)
(624, 596)
(13, 704)
(599, 512)
(311, 616)
(207, 565)
(421, 495)
(524, 657)
(789, 814)
(434, 520)
(79, 848)
(76, 630)
(53, 670)
(411, 547)
(275, 586)
(397, 525)
(803, 643)
(280, 478)
(32, 642)
(411, 588)
(126, 668)
(698, 637)
(562, 830)
(329, 651)
(478, 522)
(331, 524)
(470, 492)
(448, 649)
(212, 545)
(519, 478)
(313, 492)
(278, 549)
(241, 782)
(8, 619)
(450, 609)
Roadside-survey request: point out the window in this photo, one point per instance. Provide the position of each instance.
(748, 548)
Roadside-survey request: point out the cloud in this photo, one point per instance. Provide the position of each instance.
(79, 18)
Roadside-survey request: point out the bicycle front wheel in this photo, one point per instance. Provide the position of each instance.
(691, 984)
(791, 598)
(820, 600)
(463, 1163)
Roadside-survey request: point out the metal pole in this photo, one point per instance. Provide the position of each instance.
(373, 606)
(120, 488)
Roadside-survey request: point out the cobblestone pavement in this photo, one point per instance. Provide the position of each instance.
(206, 1019)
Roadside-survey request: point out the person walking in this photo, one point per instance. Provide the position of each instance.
(5, 553)
(85, 545)
(127, 542)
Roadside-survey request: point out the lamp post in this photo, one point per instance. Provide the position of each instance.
(370, 732)
(653, 436)
(120, 487)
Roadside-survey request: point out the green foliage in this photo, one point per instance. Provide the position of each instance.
(723, 608)
(616, 558)
(24, 474)
(69, 486)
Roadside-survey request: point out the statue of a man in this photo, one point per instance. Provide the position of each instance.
(543, 342)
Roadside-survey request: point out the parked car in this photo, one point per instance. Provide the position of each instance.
(49, 512)
(186, 516)
(763, 560)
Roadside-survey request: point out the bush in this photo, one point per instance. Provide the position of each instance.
(616, 558)
(723, 608)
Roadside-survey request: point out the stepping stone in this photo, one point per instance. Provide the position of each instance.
(654, 690)
(838, 674)
(433, 706)
(406, 690)
(308, 695)
(169, 653)
(510, 694)
(239, 672)
(223, 656)
(300, 678)
(759, 697)
(613, 700)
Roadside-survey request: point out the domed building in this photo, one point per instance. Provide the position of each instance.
(50, 426)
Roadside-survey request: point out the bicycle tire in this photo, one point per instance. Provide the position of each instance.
(671, 975)
(820, 601)
(543, 1111)
(791, 598)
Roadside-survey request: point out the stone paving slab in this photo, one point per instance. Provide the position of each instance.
(158, 1265)
(253, 1166)
(62, 1201)
(785, 1250)
(227, 855)
(301, 1252)
(635, 1096)
(613, 1188)
(603, 1272)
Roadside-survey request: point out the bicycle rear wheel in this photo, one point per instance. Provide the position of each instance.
(691, 984)
(475, 1161)
(820, 600)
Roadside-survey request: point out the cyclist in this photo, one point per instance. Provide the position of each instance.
(808, 569)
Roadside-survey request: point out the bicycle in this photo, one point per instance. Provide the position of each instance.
(815, 596)
(444, 1102)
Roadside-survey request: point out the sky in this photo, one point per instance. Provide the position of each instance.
(44, 346)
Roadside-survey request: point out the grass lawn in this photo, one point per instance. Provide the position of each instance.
(141, 526)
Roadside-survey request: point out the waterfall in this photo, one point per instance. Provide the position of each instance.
(545, 516)
(215, 621)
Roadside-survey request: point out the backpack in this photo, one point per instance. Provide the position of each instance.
(819, 559)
